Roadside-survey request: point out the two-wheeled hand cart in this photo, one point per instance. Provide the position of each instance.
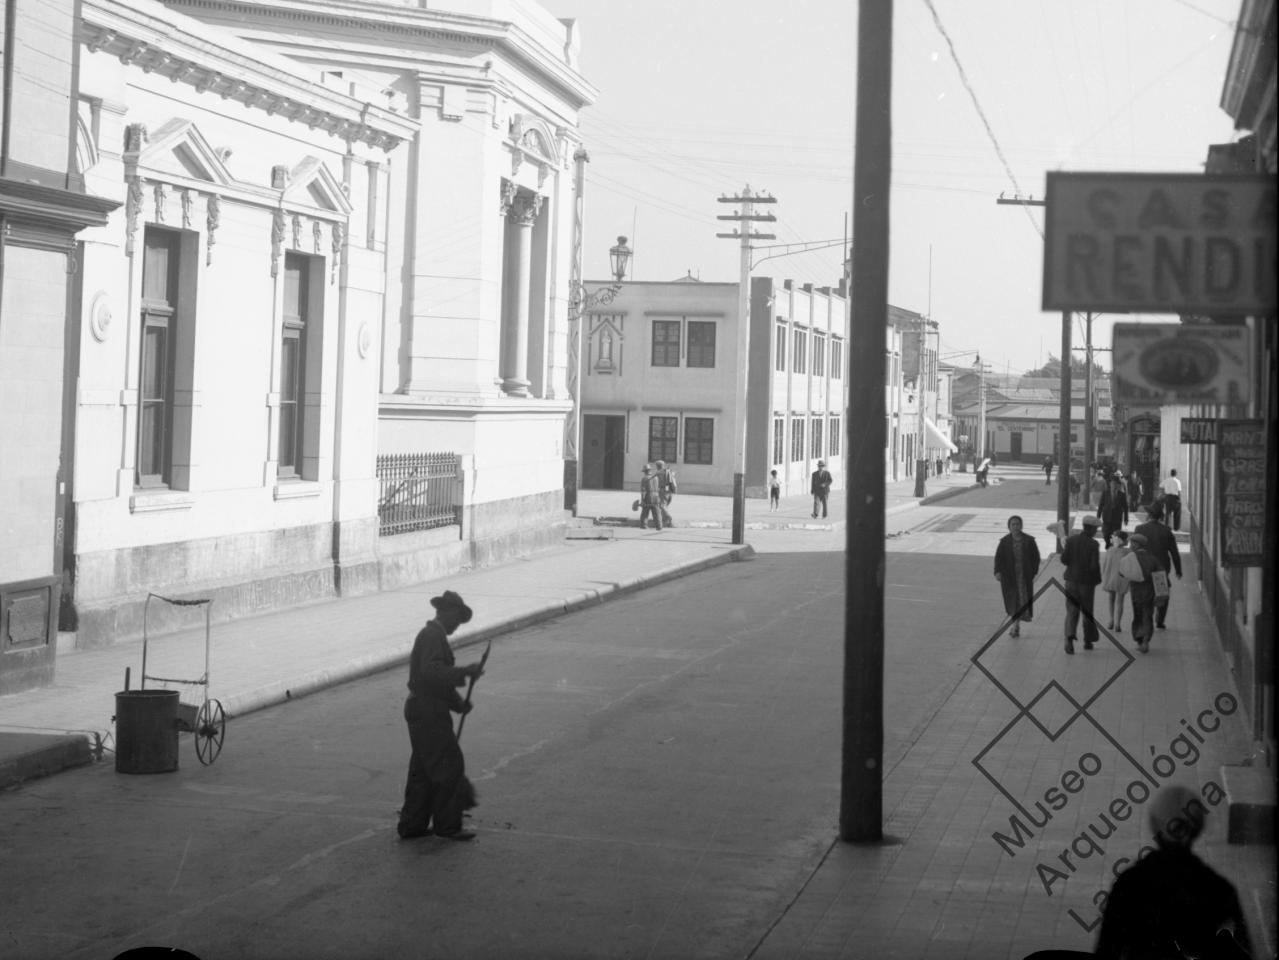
(196, 712)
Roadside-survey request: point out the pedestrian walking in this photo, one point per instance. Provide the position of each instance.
(1048, 471)
(1169, 903)
(820, 487)
(1163, 547)
(1113, 582)
(1138, 569)
(983, 469)
(436, 792)
(1016, 566)
(1081, 558)
(666, 491)
(1172, 499)
(650, 498)
(1134, 490)
(774, 491)
(1113, 508)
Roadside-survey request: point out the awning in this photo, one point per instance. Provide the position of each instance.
(938, 439)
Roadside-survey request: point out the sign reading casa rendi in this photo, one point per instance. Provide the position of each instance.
(1160, 243)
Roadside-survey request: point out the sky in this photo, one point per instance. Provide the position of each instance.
(700, 98)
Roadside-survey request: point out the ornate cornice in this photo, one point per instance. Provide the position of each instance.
(174, 46)
(352, 16)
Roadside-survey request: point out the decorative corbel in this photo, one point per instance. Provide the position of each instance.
(160, 194)
(132, 207)
(338, 236)
(277, 240)
(543, 171)
(316, 236)
(136, 50)
(214, 215)
(103, 39)
(297, 232)
(186, 209)
(517, 159)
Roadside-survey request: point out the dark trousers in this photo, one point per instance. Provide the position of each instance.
(1048, 476)
(1160, 604)
(433, 792)
(1079, 596)
(1143, 609)
(819, 499)
(666, 514)
(1172, 507)
(651, 509)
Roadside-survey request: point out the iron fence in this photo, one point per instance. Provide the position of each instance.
(418, 491)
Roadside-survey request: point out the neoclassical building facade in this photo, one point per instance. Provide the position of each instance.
(344, 240)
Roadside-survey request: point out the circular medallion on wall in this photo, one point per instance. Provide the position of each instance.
(100, 317)
(364, 340)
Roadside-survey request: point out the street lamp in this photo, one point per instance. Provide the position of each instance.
(619, 258)
(581, 300)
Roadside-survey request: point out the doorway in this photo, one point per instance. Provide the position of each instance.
(1014, 441)
(603, 452)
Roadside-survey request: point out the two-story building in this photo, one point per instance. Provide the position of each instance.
(660, 369)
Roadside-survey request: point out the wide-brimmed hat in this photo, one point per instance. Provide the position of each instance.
(1090, 521)
(661, 464)
(647, 469)
(821, 463)
(449, 600)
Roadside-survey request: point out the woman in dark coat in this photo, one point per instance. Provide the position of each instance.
(1016, 564)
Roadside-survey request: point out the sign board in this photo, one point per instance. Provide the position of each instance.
(1198, 430)
(1182, 363)
(1160, 243)
(1241, 480)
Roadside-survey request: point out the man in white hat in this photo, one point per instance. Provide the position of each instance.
(437, 792)
(820, 487)
(1081, 557)
(1170, 903)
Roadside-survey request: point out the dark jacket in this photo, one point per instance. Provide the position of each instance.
(1006, 567)
(1113, 507)
(821, 482)
(1081, 556)
(1165, 897)
(1162, 545)
(432, 674)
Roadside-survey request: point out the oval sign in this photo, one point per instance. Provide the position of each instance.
(1179, 364)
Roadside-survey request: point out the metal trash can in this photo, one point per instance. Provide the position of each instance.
(146, 731)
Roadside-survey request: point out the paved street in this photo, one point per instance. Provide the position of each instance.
(659, 777)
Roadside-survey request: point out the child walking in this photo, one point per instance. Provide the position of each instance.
(774, 490)
(1112, 581)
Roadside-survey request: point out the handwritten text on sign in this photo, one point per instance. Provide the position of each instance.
(1241, 478)
(1163, 243)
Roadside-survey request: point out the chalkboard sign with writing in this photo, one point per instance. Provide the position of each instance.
(1241, 478)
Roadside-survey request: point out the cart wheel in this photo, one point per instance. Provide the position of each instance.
(210, 730)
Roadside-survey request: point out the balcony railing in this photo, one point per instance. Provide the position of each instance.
(418, 491)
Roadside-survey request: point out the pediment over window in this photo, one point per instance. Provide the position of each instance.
(179, 149)
(311, 183)
(535, 138)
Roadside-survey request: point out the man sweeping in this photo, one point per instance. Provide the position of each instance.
(437, 792)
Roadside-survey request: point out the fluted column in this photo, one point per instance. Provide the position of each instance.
(524, 211)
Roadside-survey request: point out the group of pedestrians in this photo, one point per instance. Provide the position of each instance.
(657, 490)
(1135, 566)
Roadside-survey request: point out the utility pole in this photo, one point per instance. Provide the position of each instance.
(921, 456)
(576, 307)
(746, 216)
(981, 412)
(862, 763)
(1063, 426)
(1089, 453)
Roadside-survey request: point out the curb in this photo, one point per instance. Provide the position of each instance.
(285, 691)
(75, 749)
(56, 753)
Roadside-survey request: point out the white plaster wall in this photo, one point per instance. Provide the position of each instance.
(232, 488)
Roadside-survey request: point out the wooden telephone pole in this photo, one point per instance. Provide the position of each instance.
(746, 216)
